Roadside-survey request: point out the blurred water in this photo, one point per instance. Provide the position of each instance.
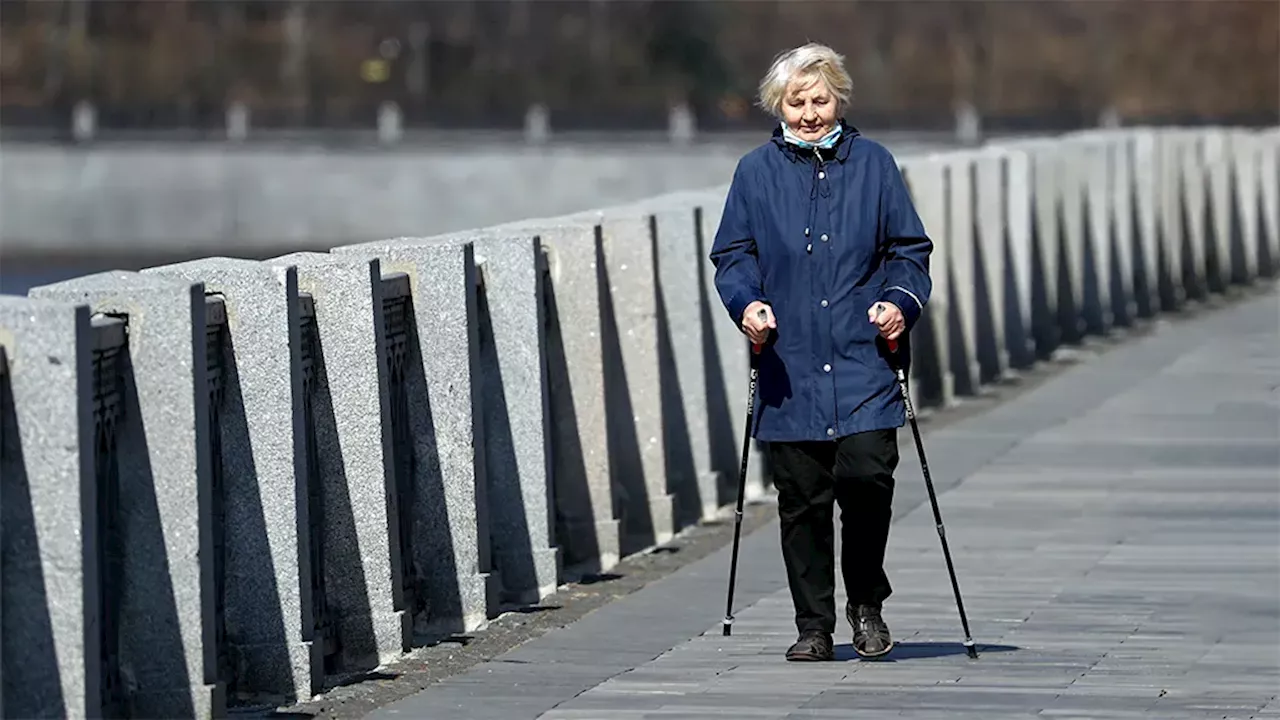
(17, 280)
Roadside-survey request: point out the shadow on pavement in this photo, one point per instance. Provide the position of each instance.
(922, 651)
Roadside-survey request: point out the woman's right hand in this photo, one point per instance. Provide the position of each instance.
(757, 329)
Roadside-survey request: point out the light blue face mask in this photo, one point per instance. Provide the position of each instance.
(826, 142)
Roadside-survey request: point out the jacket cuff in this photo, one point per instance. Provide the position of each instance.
(738, 306)
(907, 302)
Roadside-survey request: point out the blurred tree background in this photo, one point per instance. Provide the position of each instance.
(621, 64)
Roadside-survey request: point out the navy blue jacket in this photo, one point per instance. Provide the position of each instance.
(821, 239)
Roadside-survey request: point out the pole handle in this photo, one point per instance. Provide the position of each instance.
(763, 316)
(892, 344)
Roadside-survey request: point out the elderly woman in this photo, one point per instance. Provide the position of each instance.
(819, 253)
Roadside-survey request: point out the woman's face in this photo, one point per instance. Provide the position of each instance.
(809, 108)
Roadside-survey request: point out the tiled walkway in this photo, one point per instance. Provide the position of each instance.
(1116, 533)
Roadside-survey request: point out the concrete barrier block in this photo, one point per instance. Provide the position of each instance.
(961, 239)
(1098, 248)
(1269, 195)
(1219, 169)
(517, 414)
(1147, 220)
(516, 409)
(1172, 228)
(350, 415)
(646, 507)
(727, 359)
(680, 253)
(1046, 245)
(1195, 202)
(1073, 169)
(270, 613)
(1019, 193)
(168, 653)
(1124, 302)
(991, 263)
(449, 531)
(1245, 180)
(585, 526)
(926, 179)
(48, 496)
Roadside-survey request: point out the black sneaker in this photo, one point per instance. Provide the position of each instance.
(813, 646)
(871, 637)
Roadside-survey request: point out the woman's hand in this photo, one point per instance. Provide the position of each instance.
(757, 329)
(887, 317)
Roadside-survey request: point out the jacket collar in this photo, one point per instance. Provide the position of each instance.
(794, 154)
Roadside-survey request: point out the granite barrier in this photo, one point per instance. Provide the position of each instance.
(587, 529)
(166, 648)
(633, 407)
(680, 255)
(727, 362)
(270, 590)
(50, 663)
(516, 400)
(928, 180)
(446, 515)
(349, 419)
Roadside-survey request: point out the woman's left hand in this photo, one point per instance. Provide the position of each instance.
(888, 318)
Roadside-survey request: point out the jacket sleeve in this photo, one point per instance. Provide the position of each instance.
(907, 247)
(734, 254)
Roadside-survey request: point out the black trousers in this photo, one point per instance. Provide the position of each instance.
(855, 471)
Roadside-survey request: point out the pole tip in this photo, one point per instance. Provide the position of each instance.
(971, 649)
(727, 629)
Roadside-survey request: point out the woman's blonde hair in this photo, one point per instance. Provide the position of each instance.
(807, 61)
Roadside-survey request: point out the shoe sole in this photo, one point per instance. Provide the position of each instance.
(808, 657)
(874, 656)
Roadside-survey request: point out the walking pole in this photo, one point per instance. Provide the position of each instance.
(742, 477)
(933, 497)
